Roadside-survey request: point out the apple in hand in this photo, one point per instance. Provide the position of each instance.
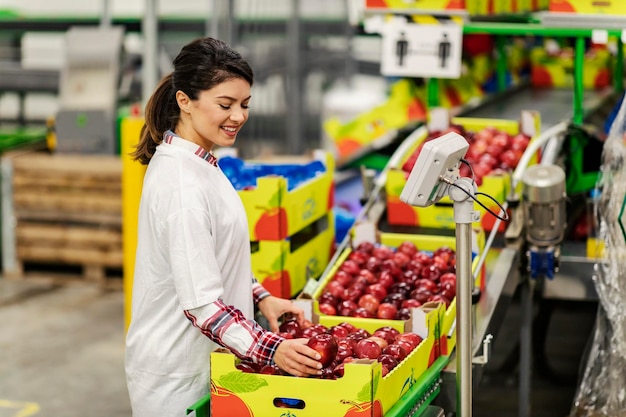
(326, 345)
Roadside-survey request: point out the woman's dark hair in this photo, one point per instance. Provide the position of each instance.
(201, 65)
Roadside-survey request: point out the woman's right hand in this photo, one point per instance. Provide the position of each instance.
(295, 357)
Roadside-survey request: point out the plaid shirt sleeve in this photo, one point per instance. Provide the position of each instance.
(258, 291)
(227, 326)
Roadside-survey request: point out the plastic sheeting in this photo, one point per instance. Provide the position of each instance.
(602, 389)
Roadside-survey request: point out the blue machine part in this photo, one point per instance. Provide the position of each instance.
(542, 263)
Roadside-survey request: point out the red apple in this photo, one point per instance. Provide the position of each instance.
(367, 348)
(351, 267)
(430, 272)
(382, 252)
(369, 302)
(381, 341)
(407, 247)
(448, 290)
(364, 313)
(387, 311)
(403, 314)
(285, 335)
(343, 278)
(327, 309)
(406, 345)
(270, 370)
(377, 290)
(335, 288)
(346, 307)
(351, 328)
(368, 275)
(394, 298)
(421, 294)
(410, 303)
(248, 367)
(311, 332)
(386, 279)
(358, 257)
(338, 371)
(384, 334)
(438, 298)
(343, 351)
(338, 331)
(410, 337)
(328, 298)
(428, 284)
(365, 247)
(326, 345)
(448, 277)
(400, 259)
(290, 326)
(388, 360)
(396, 351)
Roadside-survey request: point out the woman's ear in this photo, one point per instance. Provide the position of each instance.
(183, 101)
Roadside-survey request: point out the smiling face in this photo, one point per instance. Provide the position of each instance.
(216, 116)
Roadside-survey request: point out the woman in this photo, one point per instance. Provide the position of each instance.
(193, 288)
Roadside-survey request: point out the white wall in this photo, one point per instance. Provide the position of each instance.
(135, 8)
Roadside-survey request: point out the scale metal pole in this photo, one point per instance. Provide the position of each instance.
(464, 215)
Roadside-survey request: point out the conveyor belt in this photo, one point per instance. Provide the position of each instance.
(554, 105)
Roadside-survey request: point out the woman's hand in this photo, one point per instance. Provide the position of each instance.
(273, 308)
(295, 357)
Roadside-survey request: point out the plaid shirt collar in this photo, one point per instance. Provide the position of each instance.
(170, 138)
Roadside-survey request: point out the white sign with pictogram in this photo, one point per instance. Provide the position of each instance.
(421, 50)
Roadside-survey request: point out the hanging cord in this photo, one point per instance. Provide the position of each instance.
(506, 217)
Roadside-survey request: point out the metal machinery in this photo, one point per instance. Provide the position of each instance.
(88, 90)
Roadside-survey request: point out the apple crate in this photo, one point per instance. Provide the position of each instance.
(441, 214)
(362, 391)
(428, 243)
(275, 212)
(610, 7)
(284, 266)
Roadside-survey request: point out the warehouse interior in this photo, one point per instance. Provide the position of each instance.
(533, 327)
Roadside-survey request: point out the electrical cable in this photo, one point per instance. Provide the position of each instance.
(506, 217)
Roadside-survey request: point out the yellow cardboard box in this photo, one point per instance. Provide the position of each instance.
(612, 7)
(441, 214)
(362, 391)
(283, 266)
(275, 213)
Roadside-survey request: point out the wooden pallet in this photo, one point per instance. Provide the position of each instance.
(62, 211)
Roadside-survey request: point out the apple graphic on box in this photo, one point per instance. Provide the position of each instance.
(272, 225)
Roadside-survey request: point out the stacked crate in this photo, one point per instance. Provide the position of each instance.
(292, 231)
(62, 214)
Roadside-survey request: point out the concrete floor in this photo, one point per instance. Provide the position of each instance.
(62, 353)
(62, 350)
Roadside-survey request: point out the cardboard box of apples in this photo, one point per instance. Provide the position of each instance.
(496, 147)
(278, 206)
(382, 277)
(368, 368)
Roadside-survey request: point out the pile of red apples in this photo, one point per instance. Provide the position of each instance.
(376, 281)
(343, 343)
